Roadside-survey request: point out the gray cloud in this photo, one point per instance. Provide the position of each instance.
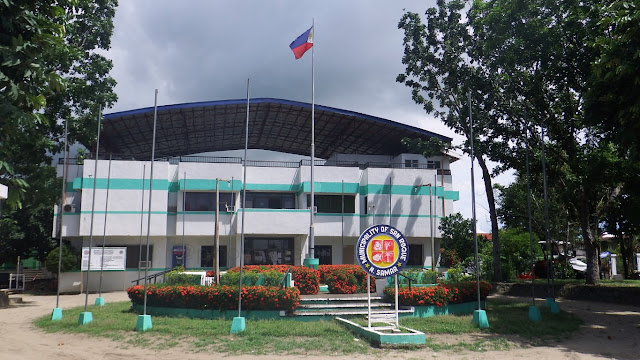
(205, 50)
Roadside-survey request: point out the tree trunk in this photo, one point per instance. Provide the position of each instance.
(593, 269)
(486, 176)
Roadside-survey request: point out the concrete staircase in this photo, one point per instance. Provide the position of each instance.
(332, 305)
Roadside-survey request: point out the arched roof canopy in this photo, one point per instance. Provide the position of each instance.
(274, 124)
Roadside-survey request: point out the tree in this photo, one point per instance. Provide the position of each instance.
(49, 73)
(441, 70)
(539, 48)
(457, 234)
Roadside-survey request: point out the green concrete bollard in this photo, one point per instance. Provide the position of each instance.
(143, 323)
(480, 319)
(85, 318)
(238, 325)
(100, 301)
(56, 314)
(534, 314)
(311, 263)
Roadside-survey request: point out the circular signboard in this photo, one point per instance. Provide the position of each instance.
(382, 251)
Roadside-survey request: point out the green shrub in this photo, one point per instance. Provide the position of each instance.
(269, 278)
(70, 259)
(306, 280)
(177, 277)
(456, 275)
(217, 297)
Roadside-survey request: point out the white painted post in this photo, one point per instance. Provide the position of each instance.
(638, 261)
(614, 269)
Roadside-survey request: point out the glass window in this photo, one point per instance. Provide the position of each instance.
(268, 251)
(265, 200)
(133, 255)
(415, 255)
(411, 163)
(323, 254)
(431, 164)
(205, 201)
(332, 203)
(206, 256)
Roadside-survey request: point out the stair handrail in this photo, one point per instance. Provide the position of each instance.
(284, 278)
(409, 278)
(152, 276)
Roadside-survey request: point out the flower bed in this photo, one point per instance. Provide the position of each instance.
(216, 297)
(345, 279)
(440, 295)
(305, 279)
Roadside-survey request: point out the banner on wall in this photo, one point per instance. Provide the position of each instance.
(115, 258)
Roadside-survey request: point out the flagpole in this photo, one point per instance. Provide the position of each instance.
(86, 316)
(313, 148)
(238, 325)
(144, 321)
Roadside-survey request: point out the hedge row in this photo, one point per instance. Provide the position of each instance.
(345, 279)
(440, 295)
(217, 297)
(305, 279)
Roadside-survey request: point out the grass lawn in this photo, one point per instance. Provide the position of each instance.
(508, 322)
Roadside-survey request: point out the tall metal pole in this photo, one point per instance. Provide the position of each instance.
(144, 171)
(390, 186)
(546, 220)
(342, 223)
(104, 228)
(433, 244)
(184, 210)
(93, 206)
(312, 243)
(61, 208)
(473, 202)
(244, 196)
(214, 256)
(435, 219)
(153, 155)
(533, 268)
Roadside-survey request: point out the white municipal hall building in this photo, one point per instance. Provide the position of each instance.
(363, 175)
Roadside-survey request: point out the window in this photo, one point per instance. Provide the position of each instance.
(323, 254)
(332, 203)
(411, 163)
(265, 200)
(268, 251)
(206, 256)
(133, 255)
(205, 201)
(432, 164)
(415, 255)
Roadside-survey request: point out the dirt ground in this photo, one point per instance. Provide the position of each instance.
(610, 332)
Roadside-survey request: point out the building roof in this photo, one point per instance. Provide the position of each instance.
(274, 124)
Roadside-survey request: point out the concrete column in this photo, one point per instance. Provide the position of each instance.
(614, 269)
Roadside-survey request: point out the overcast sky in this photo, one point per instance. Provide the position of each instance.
(205, 50)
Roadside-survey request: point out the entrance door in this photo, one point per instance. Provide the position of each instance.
(348, 254)
(323, 254)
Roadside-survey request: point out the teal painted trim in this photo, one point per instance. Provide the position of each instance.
(406, 337)
(337, 214)
(207, 314)
(429, 311)
(273, 187)
(329, 187)
(69, 187)
(208, 184)
(202, 213)
(400, 216)
(77, 183)
(279, 210)
(452, 195)
(125, 212)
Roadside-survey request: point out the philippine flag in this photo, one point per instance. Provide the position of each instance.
(303, 43)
